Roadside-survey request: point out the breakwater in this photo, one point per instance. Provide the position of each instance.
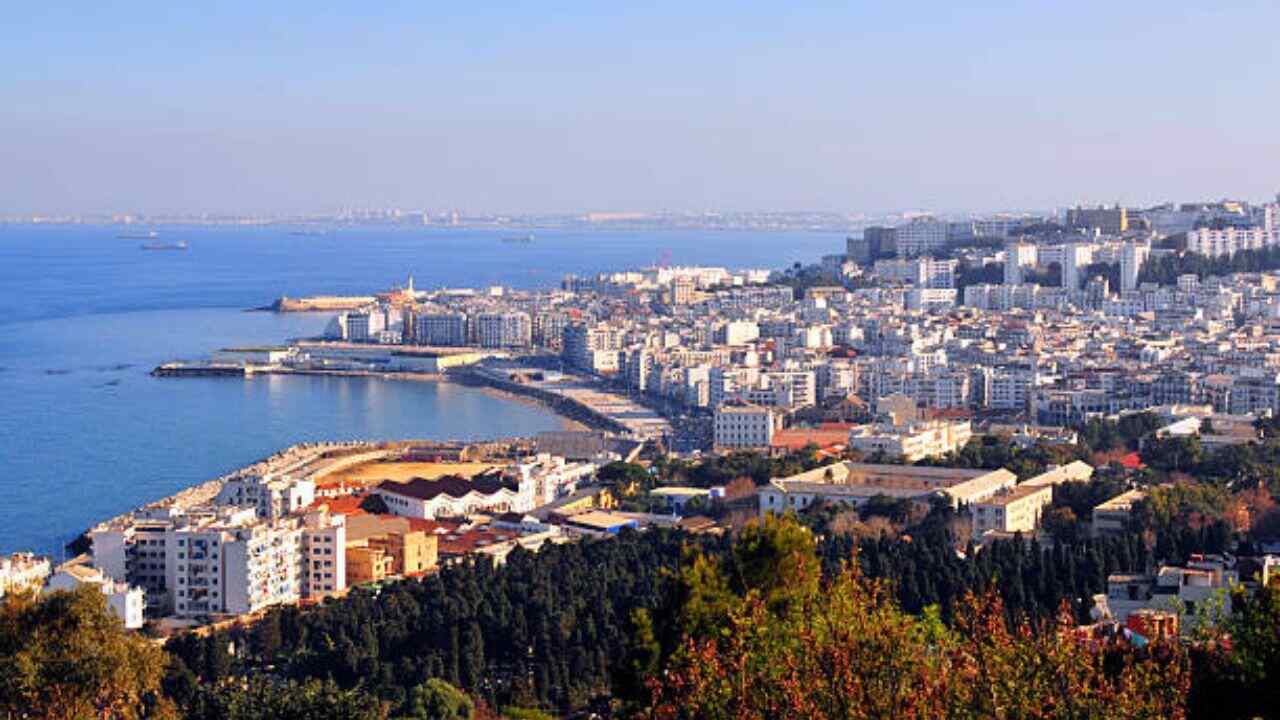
(556, 402)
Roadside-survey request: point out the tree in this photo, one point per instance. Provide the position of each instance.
(261, 699)
(438, 700)
(66, 655)
(846, 649)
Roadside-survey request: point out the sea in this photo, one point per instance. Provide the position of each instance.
(87, 433)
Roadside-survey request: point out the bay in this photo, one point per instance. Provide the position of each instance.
(87, 433)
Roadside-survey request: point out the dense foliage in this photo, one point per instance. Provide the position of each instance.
(64, 655)
(1167, 268)
(541, 630)
(761, 635)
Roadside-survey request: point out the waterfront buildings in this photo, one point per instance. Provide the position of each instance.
(221, 559)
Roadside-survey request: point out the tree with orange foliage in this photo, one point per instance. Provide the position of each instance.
(770, 645)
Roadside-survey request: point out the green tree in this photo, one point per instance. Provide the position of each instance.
(66, 655)
(438, 700)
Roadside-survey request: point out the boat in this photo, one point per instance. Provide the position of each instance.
(180, 245)
(149, 235)
(519, 239)
(308, 233)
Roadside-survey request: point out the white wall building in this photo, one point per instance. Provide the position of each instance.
(127, 603)
(744, 426)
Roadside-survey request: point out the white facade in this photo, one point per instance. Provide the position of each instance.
(501, 330)
(1228, 241)
(1015, 510)
(127, 603)
(921, 236)
(914, 441)
(22, 572)
(744, 426)
(1074, 259)
(1132, 258)
(272, 497)
(1017, 258)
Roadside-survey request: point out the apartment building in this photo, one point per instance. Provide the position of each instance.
(744, 426)
(441, 329)
(219, 559)
(1017, 509)
(931, 299)
(921, 236)
(125, 602)
(1018, 258)
(592, 348)
(271, 496)
(1227, 241)
(503, 329)
(1132, 258)
(379, 547)
(912, 441)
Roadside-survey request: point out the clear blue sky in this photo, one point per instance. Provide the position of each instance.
(548, 106)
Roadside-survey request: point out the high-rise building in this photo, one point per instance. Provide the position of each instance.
(683, 290)
(593, 348)
(881, 242)
(503, 330)
(445, 329)
(921, 236)
(1074, 259)
(1132, 258)
(1017, 258)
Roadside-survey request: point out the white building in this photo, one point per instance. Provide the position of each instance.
(744, 426)
(217, 560)
(441, 329)
(272, 497)
(127, 603)
(1132, 258)
(1074, 259)
(453, 496)
(1228, 241)
(1017, 509)
(1017, 258)
(931, 299)
(912, 441)
(503, 330)
(921, 236)
(22, 572)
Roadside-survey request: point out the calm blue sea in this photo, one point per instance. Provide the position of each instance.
(86, 433)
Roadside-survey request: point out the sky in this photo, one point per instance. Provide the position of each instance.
(548, 106)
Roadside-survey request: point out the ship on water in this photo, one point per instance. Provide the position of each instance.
(179, 245)
(518, 238)
(149, 235)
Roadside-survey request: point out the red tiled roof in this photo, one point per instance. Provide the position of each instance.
(346, 505)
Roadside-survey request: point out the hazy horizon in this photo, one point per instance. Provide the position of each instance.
(738, 107)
